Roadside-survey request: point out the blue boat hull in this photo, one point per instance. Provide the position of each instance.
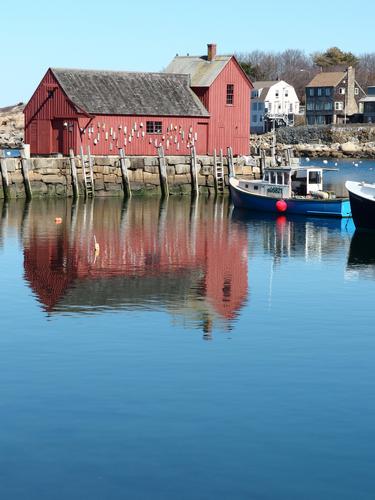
(311, 207)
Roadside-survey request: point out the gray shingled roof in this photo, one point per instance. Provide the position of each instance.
(124, 93)
(264, 84)
(202, 72)
(327, 79)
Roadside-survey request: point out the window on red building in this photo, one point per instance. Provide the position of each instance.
(230, 93)
(154, 127)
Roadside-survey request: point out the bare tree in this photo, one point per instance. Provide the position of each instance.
(365, 73)
(298, 69)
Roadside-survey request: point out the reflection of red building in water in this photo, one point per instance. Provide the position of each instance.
(174, 255)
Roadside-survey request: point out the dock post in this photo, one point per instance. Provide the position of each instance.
(231, 171)
(194, 171)
(124, 173)
(288, 158)
(4, 176)
(25, 175)
(73, 170)
(262, 161)
(163, 173)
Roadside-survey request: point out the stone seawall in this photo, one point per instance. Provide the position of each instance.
(52, 176)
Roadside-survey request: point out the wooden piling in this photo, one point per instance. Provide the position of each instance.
(124, 173)
(25, 175)
(288, 158)
(231, 171)
(163, 172)
(4, 176)
(73, 170)
(262, 161)
(194, 171)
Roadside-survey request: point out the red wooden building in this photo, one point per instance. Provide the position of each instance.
(198, 100)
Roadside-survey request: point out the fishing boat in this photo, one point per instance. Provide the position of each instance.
(362, 202)
(289, 189)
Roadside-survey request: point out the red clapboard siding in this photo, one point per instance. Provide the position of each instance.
(230, 124)
(47, 103)
(115, 132)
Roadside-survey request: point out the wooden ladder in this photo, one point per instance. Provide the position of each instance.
(87, 173)
(219, 172)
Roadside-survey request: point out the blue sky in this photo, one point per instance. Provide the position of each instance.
(144, 35)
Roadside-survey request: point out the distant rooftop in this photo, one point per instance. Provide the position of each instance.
(265, 84)
(328, 79)
(203, 70)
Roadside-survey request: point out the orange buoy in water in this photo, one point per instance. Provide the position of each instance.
(58, 220)
(281, 205)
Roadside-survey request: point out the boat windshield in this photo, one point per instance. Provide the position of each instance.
(273, 177)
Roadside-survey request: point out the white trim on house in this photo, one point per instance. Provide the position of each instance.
(276, 100)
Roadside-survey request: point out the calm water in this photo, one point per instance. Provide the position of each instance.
(203, 353)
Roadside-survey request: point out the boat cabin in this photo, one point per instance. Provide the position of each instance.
(286, 182)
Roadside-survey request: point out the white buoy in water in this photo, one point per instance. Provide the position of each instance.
(96, 246)
(307, 159)
(336, 164)
(325, 162)
(356, 164)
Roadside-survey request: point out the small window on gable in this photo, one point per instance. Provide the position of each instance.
(342, 90)
(230, 93)
(311, 92)
(154, 127)
(356, 91)
(276, 93)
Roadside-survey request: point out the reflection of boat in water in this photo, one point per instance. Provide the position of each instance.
(361, 260)
(362, 203)
(293, 190)
(293, 235)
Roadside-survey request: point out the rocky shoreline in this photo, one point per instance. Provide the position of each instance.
(11, 126)
(321, 142)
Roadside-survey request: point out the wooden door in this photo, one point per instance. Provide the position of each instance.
(33, 139)
(63, 132)
(57, 136)
(202, 143)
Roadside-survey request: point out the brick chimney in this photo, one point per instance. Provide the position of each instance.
(211, 51)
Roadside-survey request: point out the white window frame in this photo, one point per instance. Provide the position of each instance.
(339, 106)
(342, 90)
(356, 91)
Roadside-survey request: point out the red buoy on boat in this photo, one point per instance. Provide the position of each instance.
(281, 205)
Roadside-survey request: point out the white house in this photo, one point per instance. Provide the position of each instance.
(275, 101)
